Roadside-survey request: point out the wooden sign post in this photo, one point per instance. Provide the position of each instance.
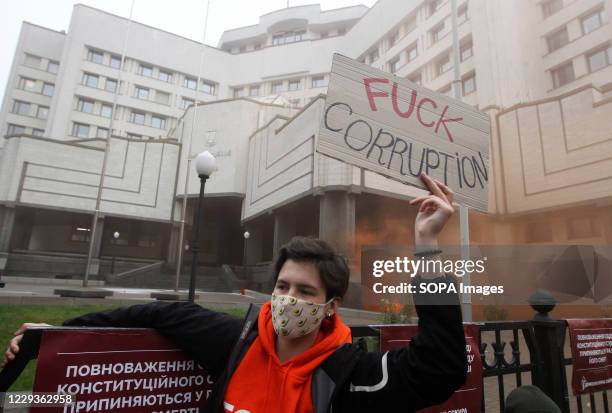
(389, 125)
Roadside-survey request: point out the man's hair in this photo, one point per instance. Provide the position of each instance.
(332, 267)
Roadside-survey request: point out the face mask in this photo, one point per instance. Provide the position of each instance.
(293, 317)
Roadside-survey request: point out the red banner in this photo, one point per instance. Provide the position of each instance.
(591, 342)
(467, 399)
(118, 370)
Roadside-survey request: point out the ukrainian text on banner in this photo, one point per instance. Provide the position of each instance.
(591, 342)
(467, 399)
(118, 370)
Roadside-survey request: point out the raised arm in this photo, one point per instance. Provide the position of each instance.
(206, 335)
(434, 364)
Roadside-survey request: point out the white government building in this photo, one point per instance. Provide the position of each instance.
(541, 69)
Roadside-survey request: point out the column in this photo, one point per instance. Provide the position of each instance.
(337, 221)
(7, 224)
(171, 254)
(284, 229)
(94, 268)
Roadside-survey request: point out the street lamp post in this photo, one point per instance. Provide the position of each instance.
(205, 165)
(116, 237)
(246, 235)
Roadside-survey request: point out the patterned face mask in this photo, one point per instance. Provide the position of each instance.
(293, 317)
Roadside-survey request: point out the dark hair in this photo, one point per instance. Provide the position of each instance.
(332, 267)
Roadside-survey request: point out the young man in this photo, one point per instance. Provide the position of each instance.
(295, 354)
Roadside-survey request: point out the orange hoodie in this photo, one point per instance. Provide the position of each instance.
(261, 384)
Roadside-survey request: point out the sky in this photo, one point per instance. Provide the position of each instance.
(183, 17)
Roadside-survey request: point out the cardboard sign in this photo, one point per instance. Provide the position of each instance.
(591, 342)
(389, 125)
(468, 398)
(118, 370)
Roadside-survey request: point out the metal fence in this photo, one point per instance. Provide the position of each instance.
(516, 353)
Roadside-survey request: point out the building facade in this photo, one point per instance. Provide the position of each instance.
(541, 69)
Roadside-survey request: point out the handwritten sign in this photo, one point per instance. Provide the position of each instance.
(389, 125)
(119, 370)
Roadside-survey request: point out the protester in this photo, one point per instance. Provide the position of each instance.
(295, 354)
(529, 399)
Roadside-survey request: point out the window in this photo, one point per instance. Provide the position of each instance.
(21, 108)
(90, 80)
(38, 132)
(410, 24)
(80, 234)
(254, 91)
(80, 130)
(373, 56)
(134, 136)
(318, 81)
(32, 61)
(27, 84)
(433, 6)
(443, 65)
(416, 78)
(137, 117)
(165, 76)
(190, 82)
(592, 22)
(162, 97)
(466, 51)
(557, 39)
(393, 39)
(101, 132)
(158, 122)
(324, 35)
(242, 49)
(110, 85)
(42, 112)
(257, 46)
(393, 65)
(563, 74)
(185, 102)
(468, 84)
(141, 92)
(288, 37)
(15, 130)
(208, 87)
(84, 105)
(438, 32)
(295, 85)
(52, 66)
(147, 241)
(342, 31)
(277, 87)
(48, 89)
(462, 14)
(144, 70)
(95, 56)
(600, 59)
(550, 7)
(106, 111)
(115, 61)
(412, 53)
(238, 92)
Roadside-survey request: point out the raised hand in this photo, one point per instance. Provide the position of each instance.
(434, 212)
